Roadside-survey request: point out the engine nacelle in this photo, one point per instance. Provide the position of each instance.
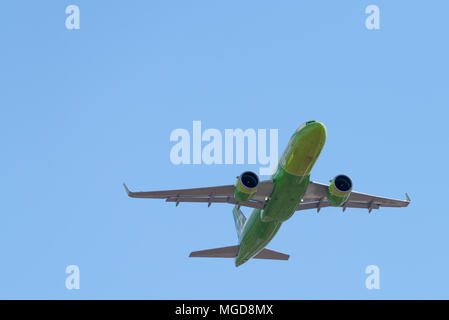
(246, 186)
(339, 190)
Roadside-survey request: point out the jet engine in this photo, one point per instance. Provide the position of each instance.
(246, 186)
(339, 190)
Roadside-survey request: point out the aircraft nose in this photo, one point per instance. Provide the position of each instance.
(316, 127)
(314, 132)
(304, 148)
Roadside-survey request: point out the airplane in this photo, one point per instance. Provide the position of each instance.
(274, 201)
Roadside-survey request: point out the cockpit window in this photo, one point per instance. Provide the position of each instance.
(305, 124)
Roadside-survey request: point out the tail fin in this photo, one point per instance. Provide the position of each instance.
(232, 252)
(239, 219)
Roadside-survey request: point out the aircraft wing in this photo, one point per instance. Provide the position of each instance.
(316, 198)
(209, 195)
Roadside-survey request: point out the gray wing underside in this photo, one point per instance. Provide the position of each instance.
(209, 195)
(315, 197)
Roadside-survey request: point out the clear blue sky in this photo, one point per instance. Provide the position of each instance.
(82, 111)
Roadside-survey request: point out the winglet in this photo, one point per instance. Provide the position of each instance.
(127, 190)
(407, 197)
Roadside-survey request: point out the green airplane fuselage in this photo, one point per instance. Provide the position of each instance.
(291, 180)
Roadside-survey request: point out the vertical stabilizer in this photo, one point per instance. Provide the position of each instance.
(239, 219)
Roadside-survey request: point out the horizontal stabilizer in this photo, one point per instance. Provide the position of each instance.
(271, 254)
(225, 252)
(232, 252)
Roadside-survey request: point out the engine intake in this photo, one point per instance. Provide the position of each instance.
(339, 190)
(246, 186)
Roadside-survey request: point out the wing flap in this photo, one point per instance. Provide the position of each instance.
(250, 204)
(323, 204)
